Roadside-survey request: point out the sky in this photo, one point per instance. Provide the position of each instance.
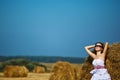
(57, 27)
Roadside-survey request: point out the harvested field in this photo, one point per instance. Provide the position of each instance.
(34, 76)
(31, 76)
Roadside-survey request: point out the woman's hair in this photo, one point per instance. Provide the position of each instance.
(102, 46)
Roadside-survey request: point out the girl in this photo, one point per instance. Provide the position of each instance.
(99, 72)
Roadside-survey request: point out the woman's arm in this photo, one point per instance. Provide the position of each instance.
(105, 48)
(89, 52)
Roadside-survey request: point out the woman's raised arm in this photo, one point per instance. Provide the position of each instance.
(87, 48)
(105, 48)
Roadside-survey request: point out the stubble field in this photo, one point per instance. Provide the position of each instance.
(31, 76)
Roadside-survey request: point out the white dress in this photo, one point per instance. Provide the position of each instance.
(101, 73)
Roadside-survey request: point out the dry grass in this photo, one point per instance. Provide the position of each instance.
(65, 71)
(15, 71)
(113, 61)
(49, 65)
(39, 69)
(35, 76)
(31, 76)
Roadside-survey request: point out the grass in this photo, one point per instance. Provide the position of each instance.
(31, 76)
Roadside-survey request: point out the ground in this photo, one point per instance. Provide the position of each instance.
(31, 76)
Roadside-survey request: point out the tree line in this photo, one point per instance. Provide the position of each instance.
(47, 59)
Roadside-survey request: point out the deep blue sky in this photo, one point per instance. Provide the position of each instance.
(57, 27)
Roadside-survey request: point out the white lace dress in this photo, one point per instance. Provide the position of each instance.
(99, 73)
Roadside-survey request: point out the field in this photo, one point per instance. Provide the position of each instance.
(31, 76)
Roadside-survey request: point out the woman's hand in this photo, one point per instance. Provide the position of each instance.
(89, 52)
(89, 47)
(106, 43)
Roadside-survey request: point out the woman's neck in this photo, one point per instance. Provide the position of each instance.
(98, 53)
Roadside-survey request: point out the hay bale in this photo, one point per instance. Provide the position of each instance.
(64, 71)
(15, 71)
(112, 63)
(23, 72)
(78, 70)
(38, 69)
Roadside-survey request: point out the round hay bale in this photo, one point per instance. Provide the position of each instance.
(63, 71)
(112, 63)
(15, 71)
(38, 69)
(23, 72)
(78, 70)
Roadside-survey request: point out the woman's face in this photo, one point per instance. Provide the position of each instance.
(98, 47)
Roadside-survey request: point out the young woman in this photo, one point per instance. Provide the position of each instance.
(99, 72)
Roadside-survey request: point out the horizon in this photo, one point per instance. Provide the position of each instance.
(41, 56)
(17, 55)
